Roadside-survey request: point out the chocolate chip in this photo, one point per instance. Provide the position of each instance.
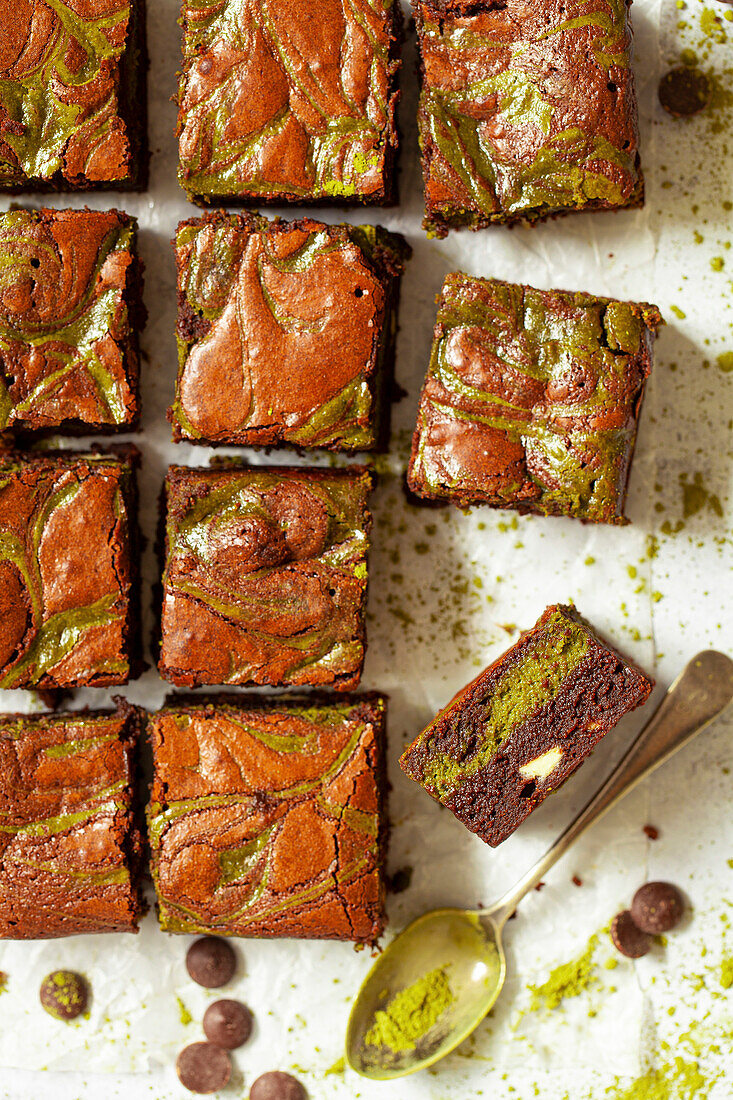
(277, 1086)
(203, 1067)
(64, 994)
(228, 1024)
(400, 880)
(627, 938)
(211, 962)
(684, 91)
(657, 907)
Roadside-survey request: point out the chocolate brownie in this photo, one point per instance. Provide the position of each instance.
(527, 110)
(268, 816)
(70, 845)
(70, 312)
(265, 575)
(532, 399)
(286, 332)
(515, 733)
(68, 570)
(289, 100)
(72, 95)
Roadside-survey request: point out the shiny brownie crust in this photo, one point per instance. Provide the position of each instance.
(532, 399)
(492, 794)
(286, 332)
(527, 110)
(84, 74)
(268, 816)
(70, 312)
(265, 575)
(69, 587)
(70, 845)
(289, 102)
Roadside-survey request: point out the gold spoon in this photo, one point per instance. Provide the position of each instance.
(463, 947)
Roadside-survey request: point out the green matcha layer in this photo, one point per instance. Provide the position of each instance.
(265, 575)
(286, 332)
(517, 731)
(532, 399)
(72, 96)
(526, 110)
(268, 816)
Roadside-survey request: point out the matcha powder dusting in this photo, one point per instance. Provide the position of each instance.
(411, 1014)
(567, 980)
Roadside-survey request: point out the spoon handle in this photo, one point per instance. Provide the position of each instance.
(700, 693)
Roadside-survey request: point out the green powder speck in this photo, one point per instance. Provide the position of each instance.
(569, 979)
(726, 972)
(725, 361)
(411, 1014)
(3, 982)
(677, 1080)
(337, 1068)
(717, 263)
(183, 1013)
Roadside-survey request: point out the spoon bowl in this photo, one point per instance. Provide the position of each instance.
(461, 952)
(436, 981)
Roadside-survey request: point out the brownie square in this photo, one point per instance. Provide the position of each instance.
(515, 733)
(265, 576)
(286, 332)
(291, 101)
(532, 399)
(268, 816)
(70, 846)
(68, 570)
(72, 95)
(527, 110)
(70, 311)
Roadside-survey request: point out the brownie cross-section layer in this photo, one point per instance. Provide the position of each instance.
(70, 313)
(515, 733)
(532, 399)
(70, 845)
(268, 816)
(526, 110)
(286, 332)
(289, 100)
(69, 597)
(265, 575)
(72, 95)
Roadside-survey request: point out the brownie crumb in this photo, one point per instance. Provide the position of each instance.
(577, 881)
(651, 832)
(400, 880)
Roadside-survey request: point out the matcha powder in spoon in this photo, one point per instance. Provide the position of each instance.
(411, 1013)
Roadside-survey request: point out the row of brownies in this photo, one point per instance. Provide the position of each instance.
(531, 399)
(526, 110)
(267, 815)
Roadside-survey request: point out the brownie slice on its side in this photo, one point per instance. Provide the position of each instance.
(70, 846)
(290, 101)
(70, 313)
(286, 332)
(532, 399)
(517, 731)
(527, 110)
(69, 588)
(268, 816)
(73, 105)
(265, 575)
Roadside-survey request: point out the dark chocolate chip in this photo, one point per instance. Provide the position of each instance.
(203, 1067)
(400, 880)
(211, 962)
(64, 994)
(684, 91)
(277, 1086)
(627, 938)
(657, 907)
(228, 1024)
